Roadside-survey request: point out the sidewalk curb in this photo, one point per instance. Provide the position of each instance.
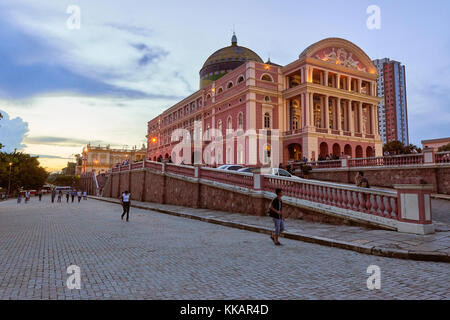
(376, 251)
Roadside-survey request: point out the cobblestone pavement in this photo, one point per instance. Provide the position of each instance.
(157, 256)
(434, 247)
(441, 210)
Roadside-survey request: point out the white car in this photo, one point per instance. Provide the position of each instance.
(231, 167)
(283, 173)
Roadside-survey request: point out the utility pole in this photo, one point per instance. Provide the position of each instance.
(9, 180)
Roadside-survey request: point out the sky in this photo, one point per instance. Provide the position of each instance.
(61, 88)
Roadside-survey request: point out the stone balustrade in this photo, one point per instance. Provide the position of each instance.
(408, 209)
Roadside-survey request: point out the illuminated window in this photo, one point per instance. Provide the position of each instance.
(267, 120)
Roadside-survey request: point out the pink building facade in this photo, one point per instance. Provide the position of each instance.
(323, 103)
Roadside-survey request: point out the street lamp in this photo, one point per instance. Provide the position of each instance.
(9, 180)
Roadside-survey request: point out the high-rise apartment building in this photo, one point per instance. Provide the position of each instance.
(392, 111)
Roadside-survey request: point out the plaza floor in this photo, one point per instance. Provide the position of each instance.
(158, 256)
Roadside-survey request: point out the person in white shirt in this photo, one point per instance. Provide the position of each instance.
(84, 195)
(125, 200)
(79, 195)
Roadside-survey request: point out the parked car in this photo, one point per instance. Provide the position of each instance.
(273, 171)
(231, 167)
(283, 173)
(248, 170)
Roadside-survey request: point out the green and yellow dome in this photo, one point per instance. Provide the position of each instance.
(224, 61)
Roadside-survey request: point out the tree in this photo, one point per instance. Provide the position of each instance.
(63, 180)
(394, 147)
(397, 147)
(412, 148)
(26, 171)
(444, 148)
(70, 169)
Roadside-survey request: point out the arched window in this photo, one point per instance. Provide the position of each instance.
(267, 98)
(240, 155)
(208, 96)
(219, 126)
(220, 90)
(208, 137)
(240, 79)
(230, 123)
(230, 85)
(267, 77)
(267, 120)
(241, 121)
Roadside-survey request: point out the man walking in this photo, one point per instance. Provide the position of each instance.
(67, 196)
(125, 200)
(79, 195)
(84, 195)
(278, 220)
(53, 195)
(40, 195)
(73, 195)
(27, 196)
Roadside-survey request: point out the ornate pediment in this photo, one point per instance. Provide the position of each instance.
(340, 56)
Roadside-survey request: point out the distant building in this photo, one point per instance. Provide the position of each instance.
(101, 159)
(435, 143)
(70, 170)
(392, 111)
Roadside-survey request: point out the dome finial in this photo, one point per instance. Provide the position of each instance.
(234, 39)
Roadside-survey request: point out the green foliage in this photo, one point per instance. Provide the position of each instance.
(397, 147)
(63, 180)
(444, 148)
(25, 171)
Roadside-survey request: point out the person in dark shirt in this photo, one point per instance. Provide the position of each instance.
(364, 183)
(275, 211)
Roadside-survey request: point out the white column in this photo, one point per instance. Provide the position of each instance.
(360, 115)
(374, 125)
(349, 83)
(338, 105)
(359, 85)
(311, 109)
(305, 109)
(326, 79)
(377, 129)
(337, 81)
(327, 113)
(351, 119)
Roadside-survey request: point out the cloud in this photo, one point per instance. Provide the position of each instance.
(61, 141)
(12, 132)
(45, 156)
(150, 55)
(136, 30)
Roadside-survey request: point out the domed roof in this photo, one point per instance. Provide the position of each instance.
(224, 60)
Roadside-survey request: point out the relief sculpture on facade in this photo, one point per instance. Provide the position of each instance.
(340, 56)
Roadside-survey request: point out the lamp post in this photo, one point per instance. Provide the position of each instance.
(9, 180)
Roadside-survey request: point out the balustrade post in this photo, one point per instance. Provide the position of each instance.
(429, 155)
(196, 172)
(257, 181)
(345, 161)
(414, 208)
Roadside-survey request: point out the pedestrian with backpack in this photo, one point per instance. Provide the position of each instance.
(275, 211)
